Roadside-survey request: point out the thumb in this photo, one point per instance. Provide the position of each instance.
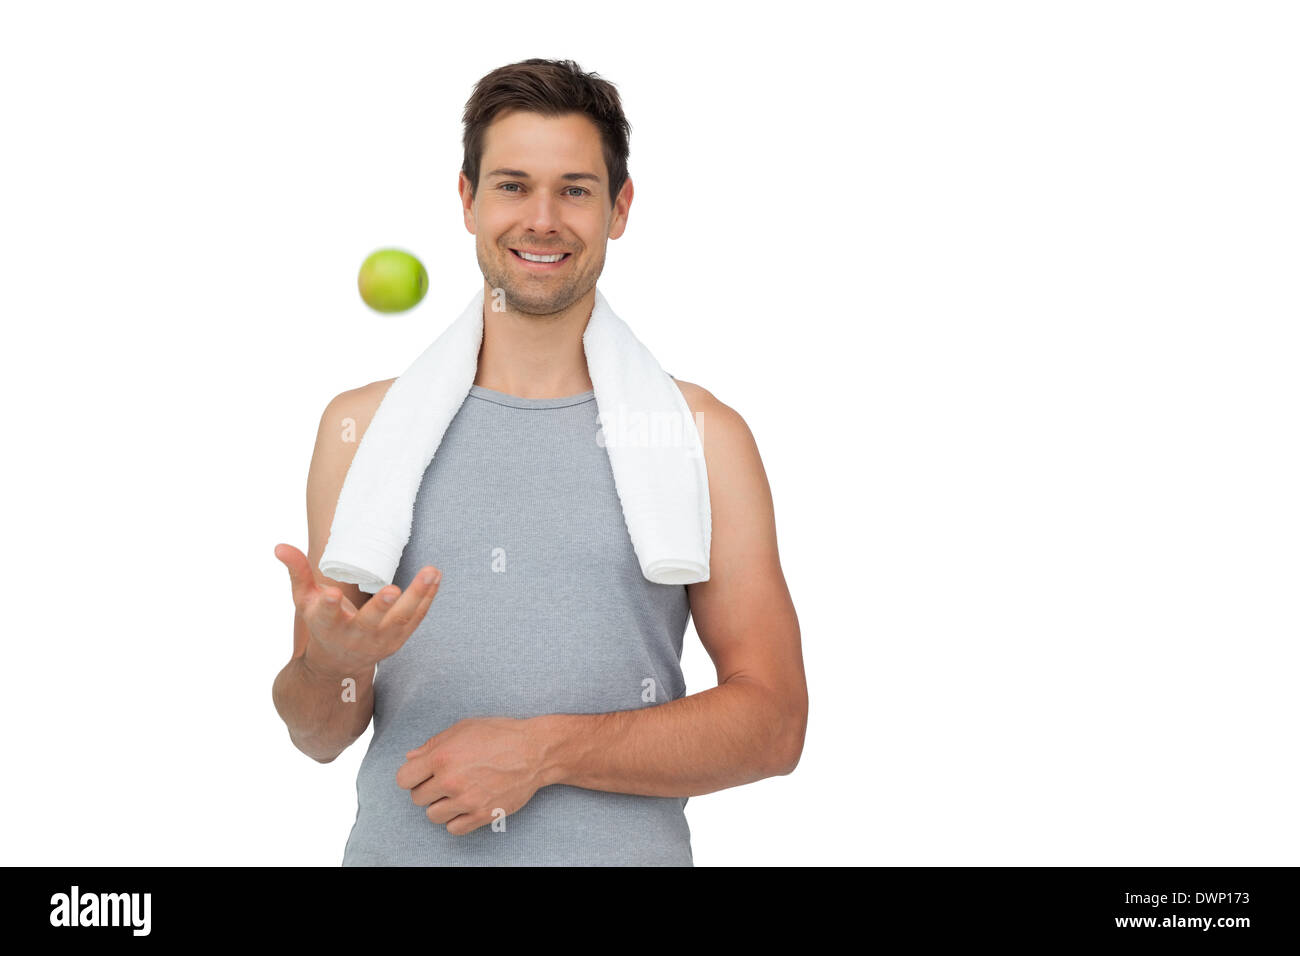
(300, 576)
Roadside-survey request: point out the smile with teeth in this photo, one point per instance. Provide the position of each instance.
(533, 257)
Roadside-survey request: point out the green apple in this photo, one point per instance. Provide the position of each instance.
(392, 280)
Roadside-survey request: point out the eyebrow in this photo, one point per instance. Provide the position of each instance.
(520, 174)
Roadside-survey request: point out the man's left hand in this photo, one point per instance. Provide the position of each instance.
(475, 770)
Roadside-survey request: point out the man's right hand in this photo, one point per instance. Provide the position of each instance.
(345, 641)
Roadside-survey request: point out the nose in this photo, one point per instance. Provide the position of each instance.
(540, 212)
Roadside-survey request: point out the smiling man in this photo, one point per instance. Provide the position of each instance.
(530, 707)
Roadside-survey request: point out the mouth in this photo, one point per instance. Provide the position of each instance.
(540, 261)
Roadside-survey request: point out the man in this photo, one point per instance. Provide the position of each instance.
(535, 713)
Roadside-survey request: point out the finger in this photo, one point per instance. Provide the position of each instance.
(431, 791)
(468, 823)
(415, 772)
(422, 608)
(373, 611)
(445, 810)
(405, 614)
(300, 576)
(326, 607)
(419, 750)
(425, 747)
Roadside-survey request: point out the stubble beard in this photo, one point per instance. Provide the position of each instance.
(544, 297)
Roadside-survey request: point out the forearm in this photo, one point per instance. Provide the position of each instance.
(726, 736)
(323, 715)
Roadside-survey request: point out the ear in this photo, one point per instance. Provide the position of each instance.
(622, 203)
(467, 203)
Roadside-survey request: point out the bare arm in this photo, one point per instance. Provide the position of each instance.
(309, 692)
(322, 724)
(752, 724)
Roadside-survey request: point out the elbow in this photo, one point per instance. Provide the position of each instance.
(790, 755)
(320, 756)
(790, 746)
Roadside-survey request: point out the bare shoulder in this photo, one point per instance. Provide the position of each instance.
(344, 421)
(699, 398)
(695, 395)
(355, 407)
(342, 424)
(728, 443)
(739, 493)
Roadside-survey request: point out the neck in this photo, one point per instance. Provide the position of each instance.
(534, 356)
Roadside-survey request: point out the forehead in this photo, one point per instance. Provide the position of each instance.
(543, 144)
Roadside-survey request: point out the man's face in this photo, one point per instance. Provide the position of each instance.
(543, 188)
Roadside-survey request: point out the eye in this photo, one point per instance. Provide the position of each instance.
(582, 191)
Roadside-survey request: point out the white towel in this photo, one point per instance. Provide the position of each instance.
(646, 428)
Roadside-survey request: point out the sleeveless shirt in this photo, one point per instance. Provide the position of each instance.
(542, 609)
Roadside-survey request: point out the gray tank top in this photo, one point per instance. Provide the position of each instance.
(542, 609)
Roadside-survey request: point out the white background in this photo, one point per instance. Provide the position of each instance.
(1007, 293)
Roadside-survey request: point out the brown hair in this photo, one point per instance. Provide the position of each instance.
(551, 88)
